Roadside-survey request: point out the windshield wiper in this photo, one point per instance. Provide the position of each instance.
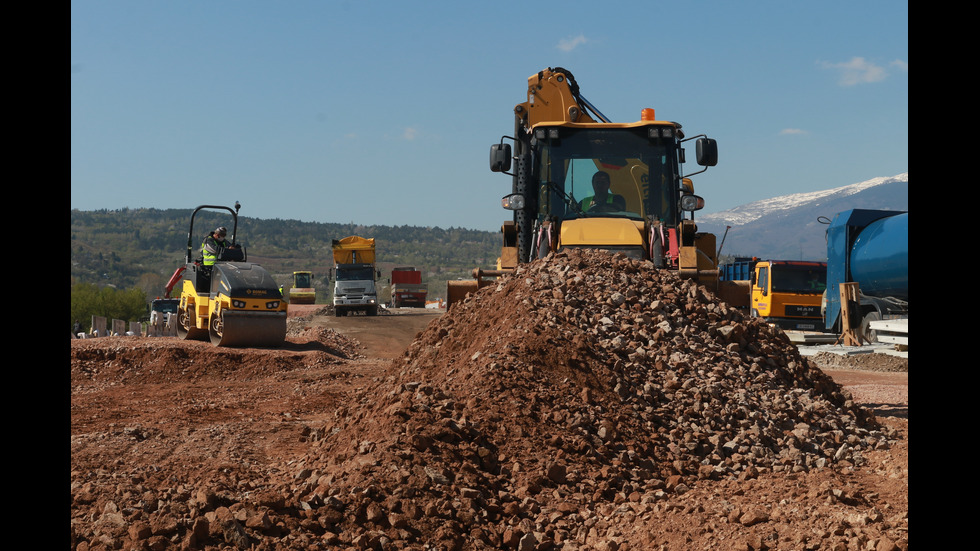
(568, 198)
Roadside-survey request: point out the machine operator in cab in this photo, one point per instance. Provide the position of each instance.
(602, 201)
(213, 244)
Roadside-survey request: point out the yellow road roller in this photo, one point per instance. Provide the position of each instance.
(226, 299)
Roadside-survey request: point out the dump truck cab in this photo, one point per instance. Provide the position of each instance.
(787, 293)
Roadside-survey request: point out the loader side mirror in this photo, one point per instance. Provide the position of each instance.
(500, 157)
(707, 152)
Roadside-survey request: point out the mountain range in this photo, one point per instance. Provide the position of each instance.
(793, 227)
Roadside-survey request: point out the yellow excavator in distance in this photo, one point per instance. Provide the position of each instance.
(231, 303)
(582, 181)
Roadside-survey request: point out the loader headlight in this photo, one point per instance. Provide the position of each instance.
(238, 303)
(546, 133)
(692, 203)
(514, 201)
(272, 304)
(664, 132)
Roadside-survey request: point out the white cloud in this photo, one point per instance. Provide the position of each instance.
(569, 44)
(901, 65)
(857, 71)
(409, 133)
(792, 132)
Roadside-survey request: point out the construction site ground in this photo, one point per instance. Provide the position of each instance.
(180, 445)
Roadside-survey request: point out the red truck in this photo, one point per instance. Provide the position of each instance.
(407, 289)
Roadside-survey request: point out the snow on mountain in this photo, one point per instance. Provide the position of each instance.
(794, 227)
(750, 212)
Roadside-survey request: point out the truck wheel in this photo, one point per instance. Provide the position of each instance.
(866, 329)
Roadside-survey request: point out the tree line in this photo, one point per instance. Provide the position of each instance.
(89, 299)
(141, 248)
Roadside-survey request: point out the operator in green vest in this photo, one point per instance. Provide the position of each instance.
(213, 244)
(603, 200)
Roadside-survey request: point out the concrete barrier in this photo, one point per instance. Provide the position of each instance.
(99, 328)
(162, 326)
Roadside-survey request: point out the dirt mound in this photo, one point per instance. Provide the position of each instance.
(582, 381)
(868, 362)
(160, 360)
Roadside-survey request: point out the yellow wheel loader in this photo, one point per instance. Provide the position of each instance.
(581, 181)
(231, 302)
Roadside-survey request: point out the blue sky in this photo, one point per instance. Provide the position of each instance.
(379, 112)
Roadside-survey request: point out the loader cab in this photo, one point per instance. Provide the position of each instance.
(640, 162)
(557, 165)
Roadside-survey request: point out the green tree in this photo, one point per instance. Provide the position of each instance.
(88, 300)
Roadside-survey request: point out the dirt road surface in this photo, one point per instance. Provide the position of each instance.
(179, 445)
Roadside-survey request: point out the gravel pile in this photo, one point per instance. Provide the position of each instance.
(334, 342)
(579, 383)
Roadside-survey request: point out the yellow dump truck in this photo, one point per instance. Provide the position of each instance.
(354, 276)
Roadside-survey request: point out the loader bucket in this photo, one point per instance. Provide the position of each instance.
(457, 290)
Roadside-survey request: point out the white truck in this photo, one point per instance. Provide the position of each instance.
(354, 276)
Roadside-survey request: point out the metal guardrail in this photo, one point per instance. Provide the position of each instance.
(892, 331)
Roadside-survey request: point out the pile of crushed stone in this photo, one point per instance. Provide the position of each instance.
(296, 325)
(864, 362)
(335, 343)
(581, 381)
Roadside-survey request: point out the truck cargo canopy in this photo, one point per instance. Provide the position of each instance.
(353, 250)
